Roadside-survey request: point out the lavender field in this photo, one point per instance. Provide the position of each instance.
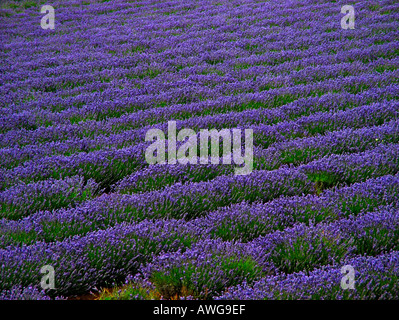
(78, 196)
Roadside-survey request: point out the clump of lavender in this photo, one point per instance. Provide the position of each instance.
(24, 293)
(202, 271)
(24, 199)
(375, 278)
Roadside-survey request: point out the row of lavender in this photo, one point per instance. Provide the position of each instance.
(77, 193)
